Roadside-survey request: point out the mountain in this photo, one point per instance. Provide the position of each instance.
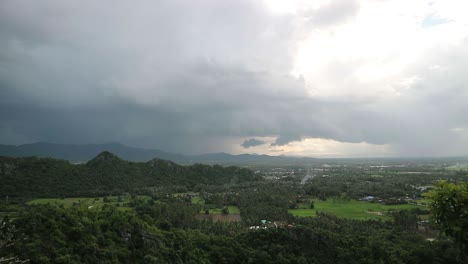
(250, 159)
(83, 153)
(107, 173)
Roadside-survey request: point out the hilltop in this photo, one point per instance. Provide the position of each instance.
(106, 173)
(83, 153)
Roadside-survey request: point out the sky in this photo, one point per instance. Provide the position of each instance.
(325, 78)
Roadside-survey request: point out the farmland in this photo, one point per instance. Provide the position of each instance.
(303, 210)
(352, 209)
(121, 202)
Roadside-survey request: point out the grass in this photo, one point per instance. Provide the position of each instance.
(86, 201)
(99, 202)
(352, 209)
(199, 200)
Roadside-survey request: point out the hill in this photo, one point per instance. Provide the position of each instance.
(106, 173)
(83, 153)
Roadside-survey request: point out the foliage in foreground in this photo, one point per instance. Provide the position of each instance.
(449, 209)
(158, 233)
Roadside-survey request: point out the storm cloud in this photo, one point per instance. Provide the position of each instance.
(203, 76)
(252, 143)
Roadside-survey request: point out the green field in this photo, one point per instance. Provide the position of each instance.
(199, 200)
(88, 202)
(352, 209)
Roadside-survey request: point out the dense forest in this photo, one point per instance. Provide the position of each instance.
(106, 173)
(156, 233)
(113, 211)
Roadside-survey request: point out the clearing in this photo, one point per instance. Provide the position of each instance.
(352, 209)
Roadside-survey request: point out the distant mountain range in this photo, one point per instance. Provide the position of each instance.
(83, 153)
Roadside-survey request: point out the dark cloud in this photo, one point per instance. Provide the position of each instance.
(284, 140)
(252, 143)
(196, 77)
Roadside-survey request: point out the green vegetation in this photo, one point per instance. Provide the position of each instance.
(213, 210)
(159, 212)
(106, 174)
(458, 168)
(231, 210)
(351, 209)
(449, 209)
(168, 233)
(198, 200)
(121, 202)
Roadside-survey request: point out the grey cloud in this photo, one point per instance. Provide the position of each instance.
(335, 12)
(252, 143)
(284, 140)
(436, 104)
(191, 76)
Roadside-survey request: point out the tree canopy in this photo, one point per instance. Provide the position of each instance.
(106, 173)
(449, 208)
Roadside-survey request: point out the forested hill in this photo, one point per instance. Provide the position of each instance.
(83, 153)
(106, 173)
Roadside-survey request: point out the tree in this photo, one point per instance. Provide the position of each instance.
(312, 205)
(405, 219)
(449, 209)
